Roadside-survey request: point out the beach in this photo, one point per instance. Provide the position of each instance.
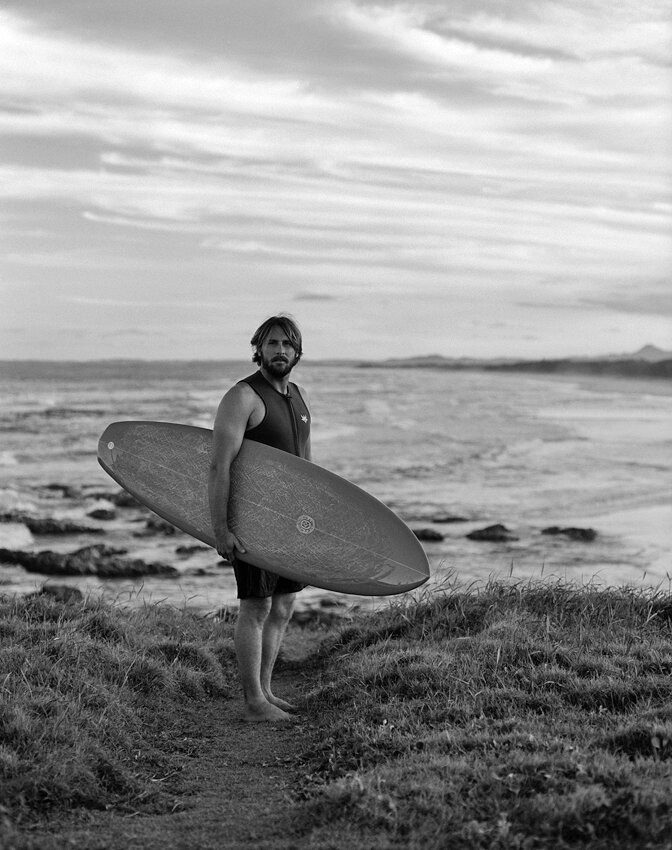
(450, 452)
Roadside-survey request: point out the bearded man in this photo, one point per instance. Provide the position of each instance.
(268, 408)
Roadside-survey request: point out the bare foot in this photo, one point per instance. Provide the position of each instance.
(280, 703)
(264, 711)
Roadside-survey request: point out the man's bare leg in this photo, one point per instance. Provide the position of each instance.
(282, 606)
(249, 642)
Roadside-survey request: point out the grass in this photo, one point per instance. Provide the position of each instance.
(535, 715)
(86, 694)
(525, 716)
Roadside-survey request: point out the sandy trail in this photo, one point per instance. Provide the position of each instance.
(235, 787)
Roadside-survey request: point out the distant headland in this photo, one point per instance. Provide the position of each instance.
(648, 362)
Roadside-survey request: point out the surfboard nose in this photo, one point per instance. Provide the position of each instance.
(107, 447)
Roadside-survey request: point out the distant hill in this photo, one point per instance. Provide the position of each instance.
(624, 368)
(648, 362)
(651, 353)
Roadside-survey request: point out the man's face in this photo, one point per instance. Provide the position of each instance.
(278, 355)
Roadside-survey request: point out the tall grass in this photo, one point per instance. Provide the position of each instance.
(85, 690)
(529, 715)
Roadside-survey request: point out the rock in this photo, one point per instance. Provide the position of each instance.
(494, 533)
(186, 551)
(446, 518)
(11, 516)
(585, 535)
(61, 592)
(102, 513)
(156, 525)
(31, 560)
(64, 490)
(98, 560)
(49, 525)
(427, 534)
(121, 499)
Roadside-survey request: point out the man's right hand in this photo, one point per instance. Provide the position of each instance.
(229, 545)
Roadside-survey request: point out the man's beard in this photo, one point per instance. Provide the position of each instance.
(278, 367)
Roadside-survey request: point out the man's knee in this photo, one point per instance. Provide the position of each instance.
(254, 609)
(283, 606)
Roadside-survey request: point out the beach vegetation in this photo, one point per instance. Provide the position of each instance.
(524, 715)
(514, 715)
(88, 696)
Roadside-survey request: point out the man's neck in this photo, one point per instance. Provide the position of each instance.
(280, 384)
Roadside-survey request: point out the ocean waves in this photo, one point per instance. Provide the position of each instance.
(520, 450)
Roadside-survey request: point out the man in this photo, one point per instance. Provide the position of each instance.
(267, 408)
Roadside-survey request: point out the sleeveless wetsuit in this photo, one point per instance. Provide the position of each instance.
(285, 426)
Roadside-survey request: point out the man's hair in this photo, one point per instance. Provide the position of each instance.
(289, 328)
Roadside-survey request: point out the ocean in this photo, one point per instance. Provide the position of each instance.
(525, 451)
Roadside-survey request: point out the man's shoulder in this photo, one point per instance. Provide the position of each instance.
(240, 393)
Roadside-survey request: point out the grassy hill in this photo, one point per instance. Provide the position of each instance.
(520, 716)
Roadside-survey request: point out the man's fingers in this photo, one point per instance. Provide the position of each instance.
(233, 545)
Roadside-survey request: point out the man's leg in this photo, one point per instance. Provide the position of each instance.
(249, 642)
(279, 616)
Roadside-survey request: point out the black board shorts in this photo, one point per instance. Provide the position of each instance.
(256, 583)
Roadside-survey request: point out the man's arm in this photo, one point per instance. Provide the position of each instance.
(228, 433)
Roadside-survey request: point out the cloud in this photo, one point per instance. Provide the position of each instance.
(63, 65)
(314, 296)
(405, 28)
(504, 152)
(657, 302)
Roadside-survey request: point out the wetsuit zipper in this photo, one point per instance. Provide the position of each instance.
(295, 427)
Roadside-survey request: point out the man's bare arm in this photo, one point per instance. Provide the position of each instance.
(228, 433)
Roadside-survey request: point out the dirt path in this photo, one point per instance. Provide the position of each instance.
(239, 783)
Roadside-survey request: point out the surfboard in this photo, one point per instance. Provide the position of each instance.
(292, 516)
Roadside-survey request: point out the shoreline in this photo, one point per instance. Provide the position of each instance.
(643, 532)
(527, 452)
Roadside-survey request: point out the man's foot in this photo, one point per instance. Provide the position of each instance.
(280, 703)
(265, 712)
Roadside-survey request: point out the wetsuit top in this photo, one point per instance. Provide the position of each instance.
(286, 423)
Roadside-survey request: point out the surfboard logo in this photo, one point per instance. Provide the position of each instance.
(305, 524)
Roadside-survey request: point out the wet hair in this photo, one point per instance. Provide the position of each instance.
(289, 328)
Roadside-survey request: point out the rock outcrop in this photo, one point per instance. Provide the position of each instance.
(49, 525)
(99, 560)
(585, 535)
(493, 533)
(428, 534)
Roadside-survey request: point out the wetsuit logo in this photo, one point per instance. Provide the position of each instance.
(305, 524)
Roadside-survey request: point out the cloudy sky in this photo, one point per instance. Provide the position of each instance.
(475, 177)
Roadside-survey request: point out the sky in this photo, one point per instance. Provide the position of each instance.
(477, 178)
